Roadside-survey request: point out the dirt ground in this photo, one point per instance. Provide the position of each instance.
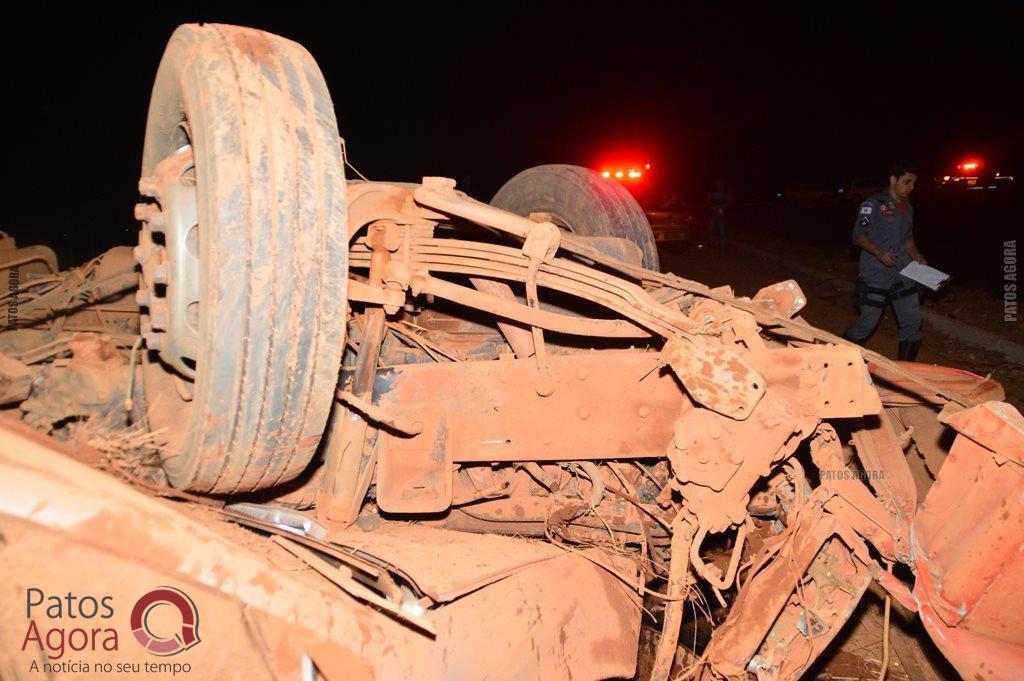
(857, 652)
(832, 309)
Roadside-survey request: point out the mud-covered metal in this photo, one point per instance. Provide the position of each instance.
(969, 545)
(654, 445)
(168, 256)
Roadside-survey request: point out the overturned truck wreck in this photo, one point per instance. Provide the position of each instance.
(387, 377)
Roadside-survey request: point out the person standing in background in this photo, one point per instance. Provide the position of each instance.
(718, 201)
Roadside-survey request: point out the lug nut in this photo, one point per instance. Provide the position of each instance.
(159, 316)
(147, 186)
(156, 220)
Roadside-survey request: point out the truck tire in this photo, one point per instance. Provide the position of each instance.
(271, 252)
(581, 201)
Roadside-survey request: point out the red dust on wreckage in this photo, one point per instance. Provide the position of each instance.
(386, 430)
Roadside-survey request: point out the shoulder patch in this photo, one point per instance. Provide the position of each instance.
(864, 221)
(865, 209)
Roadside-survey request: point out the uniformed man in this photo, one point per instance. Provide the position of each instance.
(884, 230)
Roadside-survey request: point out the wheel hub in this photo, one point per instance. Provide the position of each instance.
(168, 253)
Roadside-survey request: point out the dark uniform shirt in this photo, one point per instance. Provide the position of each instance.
(889, 226)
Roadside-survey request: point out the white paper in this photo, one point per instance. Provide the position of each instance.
(924, 275)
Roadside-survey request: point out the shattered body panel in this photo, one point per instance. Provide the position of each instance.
(563, 614)
(969, 561)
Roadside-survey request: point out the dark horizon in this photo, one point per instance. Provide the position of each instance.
(762, 97)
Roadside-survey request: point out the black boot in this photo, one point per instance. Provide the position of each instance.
(907, 351)
(847, 336)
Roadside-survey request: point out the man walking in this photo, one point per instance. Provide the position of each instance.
(884, 230)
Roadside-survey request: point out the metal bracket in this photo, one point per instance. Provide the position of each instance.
(715, 376)
(540, 247)
(414, 475)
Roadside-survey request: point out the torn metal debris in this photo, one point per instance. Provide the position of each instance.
(456, 439)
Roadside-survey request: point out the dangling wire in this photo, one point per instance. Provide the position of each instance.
(344, 159)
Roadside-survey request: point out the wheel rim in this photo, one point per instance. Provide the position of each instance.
(168, 256)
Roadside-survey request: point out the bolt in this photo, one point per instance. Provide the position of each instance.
(581, 374)
(147, 186)
(644, 412)
(583, 413)
(544, 387)
(154, 341)
(769, 418)
(160, 274)
(159, 316)
(142, 211)
(157, 221)
(142, 297)
(139, 253)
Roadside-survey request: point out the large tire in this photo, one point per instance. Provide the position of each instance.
(583, 202)
(272, 256)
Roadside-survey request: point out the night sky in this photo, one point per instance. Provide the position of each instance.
(762, 97)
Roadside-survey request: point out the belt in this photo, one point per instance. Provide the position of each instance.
(895, 292)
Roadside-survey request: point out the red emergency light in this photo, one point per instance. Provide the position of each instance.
(970, 165)
(628, 172)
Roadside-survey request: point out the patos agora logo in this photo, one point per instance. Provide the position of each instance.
(184, 638)
(164, 621)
